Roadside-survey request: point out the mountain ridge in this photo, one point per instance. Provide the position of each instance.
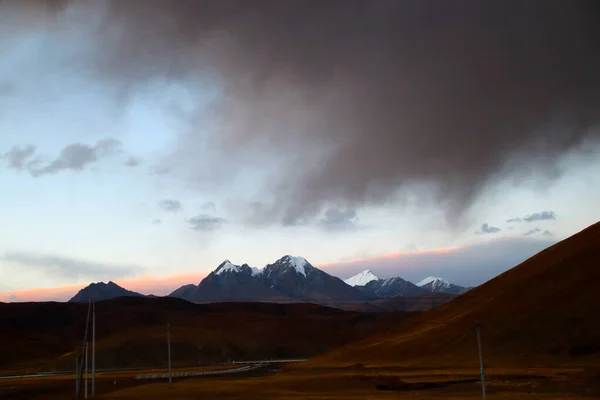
(288, 278)
(103, 291)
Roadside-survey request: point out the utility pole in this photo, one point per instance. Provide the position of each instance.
(93, 348)
(169, 353)
(86, 371)
(76, 375)
(83, 349)
(480, 361)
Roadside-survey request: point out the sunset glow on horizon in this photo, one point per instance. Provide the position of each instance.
(163, 285)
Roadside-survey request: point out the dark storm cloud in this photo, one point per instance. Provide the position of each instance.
(372, 97)
(77, 156)
(206, 223)
(486, 228)
(18, 156)
(335, 218)
(53, 265)
(170, 205)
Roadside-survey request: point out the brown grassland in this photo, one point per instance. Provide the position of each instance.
(539, 326)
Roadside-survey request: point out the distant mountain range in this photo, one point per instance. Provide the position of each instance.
(370, 284)
(289, 279)
(440, 285)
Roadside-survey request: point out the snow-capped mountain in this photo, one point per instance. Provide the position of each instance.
(440, 285)
(230, 282)
(433, 280)
(371, 285)
(287, 278)
(391, 287)
(296, 278)
(362, 278)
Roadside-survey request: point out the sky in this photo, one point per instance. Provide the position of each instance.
(145, 142)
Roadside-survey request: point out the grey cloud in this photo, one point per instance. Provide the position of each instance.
(209, 206)
(486, 228)
(205, 222)
(132, 162)
(13, 297)
(537, 230)
(77, 156)
(170, 205)
(532, 232)
(18, 156)
(339, 219)
(541, 216)
(157, 222)
(361, 101)
(71, 268)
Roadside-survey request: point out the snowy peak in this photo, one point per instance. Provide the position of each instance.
(440, 285)
(227, 266)
(434, 280)
(298, 264)
(362, 278)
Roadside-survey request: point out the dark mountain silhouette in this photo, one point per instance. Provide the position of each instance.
(230, 282)
(102, 291)
(289, 278)
(391, 287)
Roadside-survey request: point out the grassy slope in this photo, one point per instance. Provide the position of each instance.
(544, 310)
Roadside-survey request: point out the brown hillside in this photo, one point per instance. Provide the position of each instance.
(131, 332)
(424, 302)
(545, 310)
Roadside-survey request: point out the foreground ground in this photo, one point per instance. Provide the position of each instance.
(348, 383)
(131, 332)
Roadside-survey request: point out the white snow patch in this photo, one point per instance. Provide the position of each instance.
(226, 267)
(362, 278)
(430, 279)
(298, 263)
(256, 271)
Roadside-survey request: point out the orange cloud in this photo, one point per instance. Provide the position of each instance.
(389, 256)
